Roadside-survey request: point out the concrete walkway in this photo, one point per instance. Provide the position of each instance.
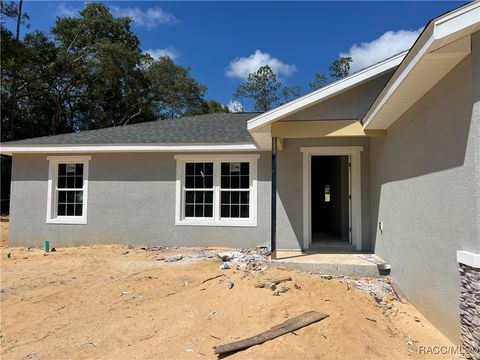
(353, 264)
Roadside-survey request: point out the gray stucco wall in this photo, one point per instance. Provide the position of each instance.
(290, 189)
(425, 190)
(352, 104)
(131, 200)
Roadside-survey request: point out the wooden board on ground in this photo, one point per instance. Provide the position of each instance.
(290, 325)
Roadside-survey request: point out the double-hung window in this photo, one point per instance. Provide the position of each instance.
(216, 190)
(67, 189)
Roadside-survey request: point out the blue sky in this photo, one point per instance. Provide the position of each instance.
(223, 41)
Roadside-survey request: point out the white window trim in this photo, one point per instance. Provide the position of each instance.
(216, 220)
(53, 162)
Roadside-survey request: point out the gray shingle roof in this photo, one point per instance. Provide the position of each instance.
(201, 129)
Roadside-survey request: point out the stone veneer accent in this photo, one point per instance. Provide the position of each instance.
(470, 311)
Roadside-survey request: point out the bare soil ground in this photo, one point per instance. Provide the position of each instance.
(3, 232)
(100, 302)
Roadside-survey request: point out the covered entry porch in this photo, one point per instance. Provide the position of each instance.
(321, 184)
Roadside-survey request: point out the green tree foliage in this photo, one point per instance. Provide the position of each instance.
(88, 72)
(319, 81)
(340, 67)
(265, 89)
(209, 107)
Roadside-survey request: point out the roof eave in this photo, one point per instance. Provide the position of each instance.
(325, 92)
(440, 34)
(115, 148)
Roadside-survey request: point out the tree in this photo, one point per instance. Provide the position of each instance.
(318, 82)
(208, 107)
(175, 92)
(265, 89)
(340, 68)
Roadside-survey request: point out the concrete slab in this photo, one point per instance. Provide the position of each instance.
(354, 264)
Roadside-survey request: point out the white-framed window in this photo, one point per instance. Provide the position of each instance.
(216, 190)
(67, 189)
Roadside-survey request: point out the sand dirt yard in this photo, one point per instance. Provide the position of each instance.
(100, 302)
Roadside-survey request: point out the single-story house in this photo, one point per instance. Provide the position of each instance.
(386, 160)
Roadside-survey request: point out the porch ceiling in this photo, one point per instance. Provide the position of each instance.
(321, 128)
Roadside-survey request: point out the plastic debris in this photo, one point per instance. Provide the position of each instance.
(173, 258)
(230, 285)
(224, 266)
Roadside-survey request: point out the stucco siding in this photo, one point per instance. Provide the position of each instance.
(351, 104)
(290, 189)
(131, 200)
(424, 188)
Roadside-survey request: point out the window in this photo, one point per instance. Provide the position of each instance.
(216, 190)
(67, 189)
(199, 190)
(235, 189)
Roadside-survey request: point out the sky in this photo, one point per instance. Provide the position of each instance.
(224, 41)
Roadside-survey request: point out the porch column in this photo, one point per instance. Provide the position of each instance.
(273, 247)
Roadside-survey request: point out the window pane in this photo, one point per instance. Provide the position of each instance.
(234, 204)
(199, 182)
(189, 210)
(225, 212)
(235, 182)
(78, 197)
(234, 211)
(61, 211)
(62, 169)
(70, 210)
(198, 210)
(70, 182)
(190, 182)
(245, 168)
(70, 196)
(190, 197)
(208, 210)
(79, 169)
(208, 197)
(208, 168)
(235, 197)
(208, 182)
(78, 209)
(62, 196)
(199, 203)
(225, 182)
(199, 197)
(62, 182)
(225, 197)
(78, 182)
(189, 167)
(244, 182)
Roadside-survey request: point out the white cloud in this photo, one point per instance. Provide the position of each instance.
(242, 66)
(171, 52)
(235, 106)
(64, 10)
(149, 18)
(390, 43)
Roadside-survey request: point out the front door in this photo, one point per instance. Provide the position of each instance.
(330, 200)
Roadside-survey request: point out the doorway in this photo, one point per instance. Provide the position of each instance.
(330, 200)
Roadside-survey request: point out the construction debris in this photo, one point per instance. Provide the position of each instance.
(173, 258)
(230, 285)
(280, 290)
(288, 326)
(266, 283)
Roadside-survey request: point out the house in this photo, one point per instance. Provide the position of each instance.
(386, 160)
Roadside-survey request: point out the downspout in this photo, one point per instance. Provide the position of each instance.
(273, 229)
